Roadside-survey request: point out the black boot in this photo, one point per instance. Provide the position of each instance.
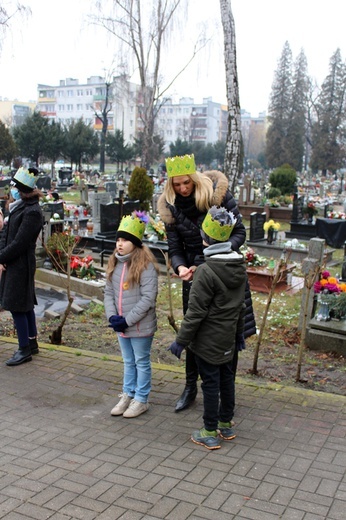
(22, 355)
(187, 398)
(33, 346)
(190, 391)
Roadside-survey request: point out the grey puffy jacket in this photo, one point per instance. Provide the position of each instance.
(136, 304)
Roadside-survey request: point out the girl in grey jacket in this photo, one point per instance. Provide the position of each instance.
(130, 306)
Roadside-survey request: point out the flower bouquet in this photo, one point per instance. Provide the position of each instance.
(310, 210)
(252, 258)
(328, 290)
(83, 267)
(336, 214)
(272, 229)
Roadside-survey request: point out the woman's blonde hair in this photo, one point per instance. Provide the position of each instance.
(139, 260)
(203, 191)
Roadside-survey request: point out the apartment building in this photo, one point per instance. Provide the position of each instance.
(204, 122)
(71, 100)
(13, 113)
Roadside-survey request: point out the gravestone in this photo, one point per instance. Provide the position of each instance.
(110, 216)
(54, 207)
(44, 182)
(298, 204)
(256, 226)
(111, 187)
(129, 206)
(84, 195)
(95, 200)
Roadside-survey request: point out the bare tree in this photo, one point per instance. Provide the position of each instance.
(143, 26)
(8, 13)
(101, 108)
(233, 142)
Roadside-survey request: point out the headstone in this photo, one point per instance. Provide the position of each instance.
(298, 204)
(110, 216)
(54, 207)
(44, 182)
(111, 187)
(83, 190)
(256, 226)
(247, 186)
(129, 206)
(310, 266)
(96, 199)
(242, 195)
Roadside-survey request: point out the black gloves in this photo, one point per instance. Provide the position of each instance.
(176, 349)
(118, 323)
(239, 342)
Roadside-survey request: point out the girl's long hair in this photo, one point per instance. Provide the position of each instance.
(203, 191)
(139, 260)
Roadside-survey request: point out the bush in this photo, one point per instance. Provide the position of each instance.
(284, 179)
(274, 193)
(141, 188)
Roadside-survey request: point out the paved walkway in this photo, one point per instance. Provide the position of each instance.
(63, 457)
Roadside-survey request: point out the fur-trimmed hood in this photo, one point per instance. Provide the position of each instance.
(220, 184)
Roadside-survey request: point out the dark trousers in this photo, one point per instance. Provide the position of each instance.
(25, 323)
(218, 392)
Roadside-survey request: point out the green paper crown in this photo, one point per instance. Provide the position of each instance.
(132, 225)
(216, 230)
(183, 165)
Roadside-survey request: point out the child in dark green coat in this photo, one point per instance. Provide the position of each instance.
(213, 324)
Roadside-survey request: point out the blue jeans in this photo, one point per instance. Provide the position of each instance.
(137, 366)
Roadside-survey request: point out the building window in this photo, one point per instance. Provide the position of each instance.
(70, 93)
(79, 106)
(79, 92)
(61, 108)
(69, 108)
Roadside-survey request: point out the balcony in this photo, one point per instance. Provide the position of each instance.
(46, 100)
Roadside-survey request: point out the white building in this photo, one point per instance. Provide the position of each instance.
(70, 101)
(204, 122)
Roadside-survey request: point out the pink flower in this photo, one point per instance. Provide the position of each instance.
(325, 274)
(318, 287)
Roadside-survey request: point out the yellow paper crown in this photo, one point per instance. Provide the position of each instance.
(218, 224)
(132, 225)
(180, 165)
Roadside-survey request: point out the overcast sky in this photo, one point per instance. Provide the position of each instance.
(57, 42)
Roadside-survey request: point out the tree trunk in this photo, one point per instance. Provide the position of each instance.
(233, 142)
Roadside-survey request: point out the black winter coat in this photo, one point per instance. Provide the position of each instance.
(17, 254)
(185, 245)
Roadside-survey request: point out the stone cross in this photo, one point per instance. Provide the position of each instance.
(311, 264)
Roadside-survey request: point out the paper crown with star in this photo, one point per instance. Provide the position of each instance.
(218, 225)
(132, 227)
(180, 165)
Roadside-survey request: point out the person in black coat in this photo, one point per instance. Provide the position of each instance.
(18, 262)
(183, 205)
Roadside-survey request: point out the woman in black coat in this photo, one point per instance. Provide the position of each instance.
(185, 201)
(18, 262)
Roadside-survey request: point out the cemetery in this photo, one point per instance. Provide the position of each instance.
(306, 241)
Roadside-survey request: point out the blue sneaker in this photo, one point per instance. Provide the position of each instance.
(225, 431)
(206, 438)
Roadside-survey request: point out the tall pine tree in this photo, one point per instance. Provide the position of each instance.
(294, 142)
(279, 110)
(328, 132)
